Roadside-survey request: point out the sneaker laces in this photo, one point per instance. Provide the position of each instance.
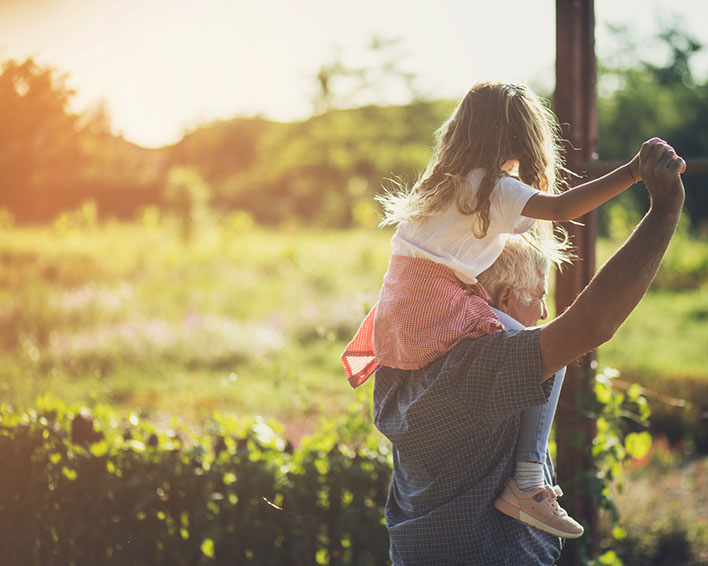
(554, 492)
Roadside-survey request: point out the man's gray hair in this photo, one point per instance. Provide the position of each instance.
(520, 265)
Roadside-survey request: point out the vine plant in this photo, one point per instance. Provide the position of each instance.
(622, 418)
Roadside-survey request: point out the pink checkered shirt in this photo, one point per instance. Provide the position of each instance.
(423, 311)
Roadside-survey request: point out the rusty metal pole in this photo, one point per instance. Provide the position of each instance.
(575, 105)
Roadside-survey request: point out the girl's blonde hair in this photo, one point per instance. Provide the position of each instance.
(495, 124)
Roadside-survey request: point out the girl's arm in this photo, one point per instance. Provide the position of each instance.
(586, 197)
(614, 291)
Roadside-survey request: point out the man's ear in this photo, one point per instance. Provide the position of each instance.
(502, 297)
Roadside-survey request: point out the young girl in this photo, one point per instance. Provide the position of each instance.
(495, 171)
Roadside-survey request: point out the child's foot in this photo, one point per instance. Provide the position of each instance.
(539, 509)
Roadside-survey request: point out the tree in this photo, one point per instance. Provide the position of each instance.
(657, 99)
(187, 195)
(341, 84)
(40, 154)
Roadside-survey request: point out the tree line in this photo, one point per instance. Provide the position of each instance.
(322, 171)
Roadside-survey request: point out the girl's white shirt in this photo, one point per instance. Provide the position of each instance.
(447, 237)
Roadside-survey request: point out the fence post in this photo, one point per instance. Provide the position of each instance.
(576, 106)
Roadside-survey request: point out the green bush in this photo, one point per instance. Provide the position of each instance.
(82, 488)
(680, 413)
(666, 545)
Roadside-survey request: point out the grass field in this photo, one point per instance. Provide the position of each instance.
(244, 319)
(241, 319)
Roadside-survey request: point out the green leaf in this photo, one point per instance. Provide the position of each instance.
(68, 473)
(208, 548)
(603, 392)
(610, 558)
(638, 444)
(619, 533)
(135, 445)
(99, 448)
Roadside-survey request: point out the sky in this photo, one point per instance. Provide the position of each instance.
(162, 67)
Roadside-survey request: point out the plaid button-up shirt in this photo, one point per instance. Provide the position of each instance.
(453, 425)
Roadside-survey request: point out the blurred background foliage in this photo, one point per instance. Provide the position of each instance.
(321, 171)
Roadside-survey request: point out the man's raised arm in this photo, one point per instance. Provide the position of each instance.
(619, 285)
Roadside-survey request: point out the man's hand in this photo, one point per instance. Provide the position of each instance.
(634, 165)
(660, 168)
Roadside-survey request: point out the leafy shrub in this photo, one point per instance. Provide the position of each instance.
(620, 418)
(680, 412)
(667, 545)
(81, 488)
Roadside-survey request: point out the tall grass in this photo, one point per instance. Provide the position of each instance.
(666, 336)
(240, 318)
(245, 319)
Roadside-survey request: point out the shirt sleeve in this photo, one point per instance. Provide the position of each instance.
(513, 324)
(507, 201)
(502, 374)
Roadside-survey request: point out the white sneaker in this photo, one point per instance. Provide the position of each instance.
(538, 508)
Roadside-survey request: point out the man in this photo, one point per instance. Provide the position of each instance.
(454, 423)
(517, 283)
